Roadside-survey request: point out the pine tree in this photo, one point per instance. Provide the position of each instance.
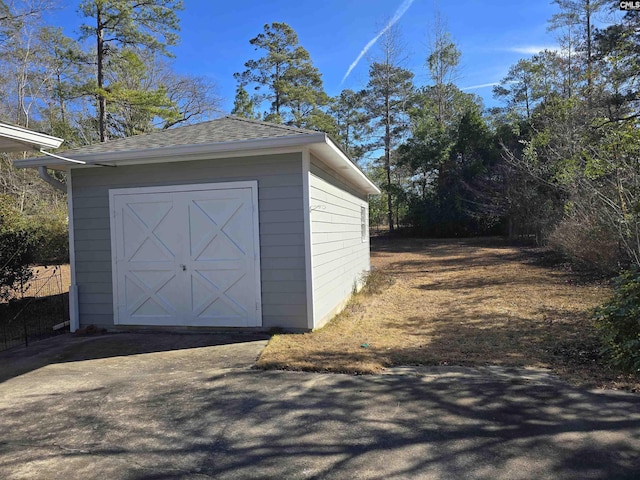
(576, 22)
(352, 127)
(387, 99)
(119, 24)
(286, 78)
(244, 105)
(133, 101)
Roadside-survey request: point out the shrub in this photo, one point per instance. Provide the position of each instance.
(376, 281)
(587, 241)
(619, 323)
(16, 256)
(16, 250)
(10, 217)
(50, 238)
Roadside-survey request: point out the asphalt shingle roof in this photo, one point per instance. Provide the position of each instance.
(224, 129)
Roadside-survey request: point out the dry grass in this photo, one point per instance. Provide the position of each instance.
(460, 303)
(47, 280)
(59, 275)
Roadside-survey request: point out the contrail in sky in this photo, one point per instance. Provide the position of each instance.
(396, 16)
(483, 85)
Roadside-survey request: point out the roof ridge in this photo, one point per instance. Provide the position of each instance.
(226, 128)
(271, 124)
(213, 120)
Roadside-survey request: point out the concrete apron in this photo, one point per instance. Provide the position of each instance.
(135, 406)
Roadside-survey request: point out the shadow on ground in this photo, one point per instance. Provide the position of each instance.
(71, 348)
(231, 425)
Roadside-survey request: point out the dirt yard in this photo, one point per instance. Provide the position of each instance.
(47, 280)
(57, 275)
(451, 302)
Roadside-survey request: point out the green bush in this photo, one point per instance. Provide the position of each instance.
(16, 250)
(50, 238)
(16, 256)
(619, 323)
(10, 217)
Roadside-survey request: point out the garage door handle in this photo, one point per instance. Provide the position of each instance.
(183, 267)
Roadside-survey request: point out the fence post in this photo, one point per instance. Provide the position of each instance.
(59, 276)
(24, 322)
(26, 333)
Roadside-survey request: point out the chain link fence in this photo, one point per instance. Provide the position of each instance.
(38, 310)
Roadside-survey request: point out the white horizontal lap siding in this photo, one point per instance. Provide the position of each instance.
(282, 261)
(340, 257)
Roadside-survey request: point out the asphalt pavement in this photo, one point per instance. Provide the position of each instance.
(163, 406)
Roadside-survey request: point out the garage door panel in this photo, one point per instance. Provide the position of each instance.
(221, 271)
(151, 293)
(151, 308)
(219, 249)
(147, 250)
(187, 257)
(235, 227)
(218, 211)
(214, 228)
(220, 281)
(216, 301)
(221, 311)
(148, 232)
(151, 211)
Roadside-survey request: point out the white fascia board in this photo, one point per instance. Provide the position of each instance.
(336, 159)
(320, 143)
(27, 139)
(181, 152)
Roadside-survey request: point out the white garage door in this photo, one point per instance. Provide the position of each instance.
(186, 255)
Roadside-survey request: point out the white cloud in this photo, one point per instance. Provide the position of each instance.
(483, 85)
(396, 16)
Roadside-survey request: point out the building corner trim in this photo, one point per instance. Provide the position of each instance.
(308, 247)
(74, 316)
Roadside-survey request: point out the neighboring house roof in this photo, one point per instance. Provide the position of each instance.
(225, 136)
(18, 139)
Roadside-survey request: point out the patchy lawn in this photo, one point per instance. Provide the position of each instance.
(460, 302)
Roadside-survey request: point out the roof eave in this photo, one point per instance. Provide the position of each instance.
(174, 153)
(24, 140)
(333, 155)
(327, 149)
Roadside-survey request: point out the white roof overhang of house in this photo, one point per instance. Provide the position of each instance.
(17, 139)
(319, 143)
(329, 153)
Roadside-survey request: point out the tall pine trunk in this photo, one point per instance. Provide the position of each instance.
(102, 101)
(387, 162)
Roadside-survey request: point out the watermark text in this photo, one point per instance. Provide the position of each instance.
(630, 5)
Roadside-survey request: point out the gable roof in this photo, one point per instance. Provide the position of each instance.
(219, 138)
(224, 129)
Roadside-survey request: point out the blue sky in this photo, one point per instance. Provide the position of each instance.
(215, 34)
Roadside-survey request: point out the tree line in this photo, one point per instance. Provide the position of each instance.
(114, 79)
(556, 163)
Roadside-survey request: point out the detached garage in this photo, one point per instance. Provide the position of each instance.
(227, 223)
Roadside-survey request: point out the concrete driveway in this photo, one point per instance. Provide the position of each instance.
(160, 406)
